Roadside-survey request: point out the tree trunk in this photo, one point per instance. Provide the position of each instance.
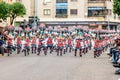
(11, 20)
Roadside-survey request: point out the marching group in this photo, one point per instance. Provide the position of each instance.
(60, 42)
(44, 42)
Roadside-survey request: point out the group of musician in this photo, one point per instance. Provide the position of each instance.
(59, 43)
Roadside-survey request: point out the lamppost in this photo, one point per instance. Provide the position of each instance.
(108, 27)
(35, 12)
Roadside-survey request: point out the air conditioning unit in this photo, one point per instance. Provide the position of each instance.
(44, 3)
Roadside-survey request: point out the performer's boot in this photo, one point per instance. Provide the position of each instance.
(52, 49)
(75, 52)
(38, 51)
(64, 51)
(90, 48)
(70, 50)
(32, 50)
(84, 50)
(28, 51)
(45, 51)
(95, 52)
(98, 53)
(2, 54)
(60, 52)
(35, 50)
(80, 53)
(103, 49)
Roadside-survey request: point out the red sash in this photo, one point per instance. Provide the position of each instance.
(34, 41)
(9, 41)
(77, 43)
(49, 41)
(40, 42)
(19, 41)
(60, 42)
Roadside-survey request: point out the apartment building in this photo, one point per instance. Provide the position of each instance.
(93, 13)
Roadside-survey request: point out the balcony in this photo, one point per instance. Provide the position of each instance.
(98, 16)
(61, 16)
(61, 1)
(96, 1)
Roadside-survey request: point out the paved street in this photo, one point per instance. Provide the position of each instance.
(52, 67)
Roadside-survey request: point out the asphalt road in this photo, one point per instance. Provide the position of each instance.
(52, 67)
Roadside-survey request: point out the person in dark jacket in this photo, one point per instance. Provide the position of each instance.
(1, 46)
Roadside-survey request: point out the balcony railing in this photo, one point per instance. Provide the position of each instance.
(97, 16)
(61, 16)
(96, 1)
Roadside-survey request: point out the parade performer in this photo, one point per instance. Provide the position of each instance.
(9, 44)
(85, 46)
(26, 44)
(65, 45)
(50, 44)
(19, 44)
(55, 43)
(77, 46)
(59, 46)
(70, 42)
(96, 47)
(44, 44)
(40, 44)
(33, 44)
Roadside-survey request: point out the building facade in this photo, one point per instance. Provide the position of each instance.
(93, 13)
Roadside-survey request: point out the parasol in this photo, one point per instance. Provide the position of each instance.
(34, 28)
(27, 29)
(10, 27)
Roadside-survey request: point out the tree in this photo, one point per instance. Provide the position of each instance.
(16, 9)
(116, 7)
(4, 10)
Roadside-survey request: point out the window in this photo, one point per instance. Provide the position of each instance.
(73, 0)
(47, 11)
(114, 16)
(118, 17)
(61, 1)
(18, 0)
(109, 11)
(61, 11)
(96, 11)
(96, 1)
(73, 11)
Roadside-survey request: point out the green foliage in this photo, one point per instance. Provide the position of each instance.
(116, 7)
(11, 10)
(16, 9)
(4, 10)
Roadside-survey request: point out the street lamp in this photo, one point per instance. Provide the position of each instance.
(108, 27)
(35, 12)
(108, 24)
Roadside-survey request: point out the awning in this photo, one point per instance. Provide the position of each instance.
(96, 8)
(62, 6)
